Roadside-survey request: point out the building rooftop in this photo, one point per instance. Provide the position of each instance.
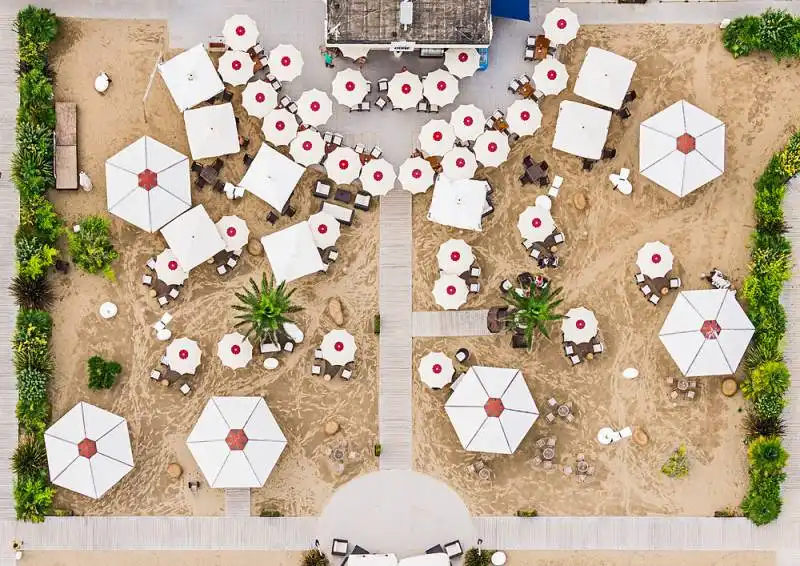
(439, 22)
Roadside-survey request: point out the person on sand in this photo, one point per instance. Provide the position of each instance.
(16, 546)
(328, 59)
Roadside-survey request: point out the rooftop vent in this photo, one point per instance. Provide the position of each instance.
(406, 13)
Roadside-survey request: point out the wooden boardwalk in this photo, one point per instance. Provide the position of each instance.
(450, 323)
(237, 502)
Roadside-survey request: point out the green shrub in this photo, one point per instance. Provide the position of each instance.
(726, 513)
(32, 333)
(102, 373)
(769, 406)
(776, 31)
(270, 513)
(742, 36)
(768, 378)
(757, 425)
(34, 255)
(33, 416)
(677, 465)
(32, 173)
(377, 450)
(30, 458)
(759, 353)
(315, 557)
(34, 359)
(91, 248)
(376, 324)
(39, 216)
(33, 293)
(33, 499)
(789, 157)
(36, 29)
(36, 103)
(767, 456)
(527, 513)
(32, 385)
(477, 557)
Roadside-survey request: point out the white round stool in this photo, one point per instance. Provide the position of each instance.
(108, 310)
(605, 435)
(164, 334)
(499, 558)
(630, 373)
(271, 363)
(101, 83)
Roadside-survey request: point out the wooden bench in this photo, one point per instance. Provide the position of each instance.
(65, 156)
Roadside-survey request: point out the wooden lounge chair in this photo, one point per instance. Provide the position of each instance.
(65, 154)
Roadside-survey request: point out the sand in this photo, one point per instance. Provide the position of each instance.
(159, 418)
(710, 227)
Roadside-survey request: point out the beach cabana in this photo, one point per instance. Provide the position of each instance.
(535, 223)
(349, 87)
(462, 62)
(236, 442)
(285, 62)
(234, 350)
(436, 369)
(459, 164)
(706, 332)
(168, 269)
(235, 67)
(654, 259)
(314, 107)
(579, 325)
(279, 127)
(88, 450)
(450, 291)
(459, 204)
(581, 129)
(455, 256)
(561, 26)
(259, 98)
(436, 137)
(191, 77)
(193, 237)
(211, 131)
(240, 32)
(377, 177)
(550, 76)
(234, 232)
(682, 148)
(491, 410)
(307, 148)
(343, 165)
(491, 148)
(405, 90)
(272, 177)
(292, 252)
(415, 175)
(440, 87)
(604, 77)
(338, 347)
(468, 122)
(147, 184)
(524, 117)
(183, 356)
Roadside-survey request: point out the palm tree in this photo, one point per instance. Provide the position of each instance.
(532, 311)
(264, 309)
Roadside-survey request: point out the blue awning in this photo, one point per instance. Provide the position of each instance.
(513, 9)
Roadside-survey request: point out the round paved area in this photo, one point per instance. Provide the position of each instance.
(399, 512)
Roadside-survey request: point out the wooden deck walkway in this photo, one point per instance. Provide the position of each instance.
(237, 502)
(450, 323)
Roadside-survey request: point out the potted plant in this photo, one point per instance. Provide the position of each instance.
(530, 312)
(263, 309)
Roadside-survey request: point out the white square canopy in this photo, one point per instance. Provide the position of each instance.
(88, 450)
(191, 77)
(147, 184)
(292, 252)
(211, 131)
(272, 177)
(458, 203)
(581, 129)
(604, 77)
(193, 237)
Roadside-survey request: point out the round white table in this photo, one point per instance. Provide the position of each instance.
(108, 310)
(605, 435)
(543, 201)
(271, 363)
(101, 83)
(630, 373)
(164, 334)
(499, 558)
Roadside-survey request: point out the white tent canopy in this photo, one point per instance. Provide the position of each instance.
(654, 259)
(292, 252)
(88, 450)
(550, 76)
(285, 62)
(272, 177)
(193, 237)
(459, 204)
(191, 77)
(259, 98)
(234, 232)
(450, 291)
(236, 442)
(279, 127)
(581, 129)
(436, 369)
(604, 77)
(377, 177)
(491, 148)
(211, 131)
(579, 325)
(307, 148)
(234, 350)
(682, 148)
(147, 184)
(706, 332)
(462, 62)
(436, 137)
(235, 67)
(455, 256)
(468, 122)
(492, 410)
(240, 32)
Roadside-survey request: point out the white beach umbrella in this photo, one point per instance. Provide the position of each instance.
(235, 67)
(349, 87)
(460, 204)
(191, 77)
(682, 148)
(324, 228)
(88, 450)
(450, 291)
(147, 184)
(236, 442)
(561, 26)
(491, 148)
(550, 76)
(292, 252)
(706, 332)
(314, 107)
(492, 410)
(654, 259)
(459, 163)
(436, 137)
(259, 98)
(604, 78)
(240, 32)
(468, 122)
(338, 347)
(462, 62)
(436, 369)
(377, 177)
(211, 131)
(579, 325)
(234, 232)
(535, 223)
(168, 269)
(234, 350)
(440, 87)
(183, 355)
(193, 237)
(279, 127)
(285, 62)
(307, 147)
(524, 117)
(405, 90)
(343, 165)
(416, 175)
(455, 257)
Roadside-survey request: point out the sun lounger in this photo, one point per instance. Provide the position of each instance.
(625, 432)
(269, 348)
(340, 213)
(158, 327)
(457, 381)
(322, 190)
(66, 146)
(453, 549)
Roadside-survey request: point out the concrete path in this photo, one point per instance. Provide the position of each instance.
(450, 323)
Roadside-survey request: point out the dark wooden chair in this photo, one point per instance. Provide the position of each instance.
(196, 167)
(525, 280)
(289, 211)
(527, 161)
(588, 164)
(219, 186)
(227, 96)
(343, 195)
(435, 550)
(544, 165)
(247, 160)
(630, 96)
(624, 113)
(544, 181)
(200, 183)
(609, 153)
(524, 179)
(519, 341)
(62, 266)
(272, 218)
(217, 165)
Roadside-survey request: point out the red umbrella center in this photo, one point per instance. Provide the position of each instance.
(236, 439)
(416, 173)
(173, 265)
(455, 256)
(350, 86)
(231, 231)
(468, 120)
(710, 329)
(87, 448)
(561, 24)
(525, 115)
(494, 407)
(307, 145)
(406, 88)
(685, 144)
(441, 85)
(339, 346)
(183, 354)
(148, 179)
(437, 136)
(344, 164)
(451, 290)
(460, 162)
(655, 258)
(286, 60)
(536, 222)
(236, 64)
(322, 228)
(314, 106)
(492, 147)
(580, 324)
(236, 349)
(279, 125)
(437, 368)
(240, 31)
(463, 57)
(378, 175)
(551, 74)
(260, 97)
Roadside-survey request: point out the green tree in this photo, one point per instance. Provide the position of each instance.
(102, 374)
(533, 311)
(263, 310)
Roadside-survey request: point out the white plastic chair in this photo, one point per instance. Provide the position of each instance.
(623, 173)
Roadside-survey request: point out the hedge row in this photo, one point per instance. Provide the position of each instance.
(776, 31)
